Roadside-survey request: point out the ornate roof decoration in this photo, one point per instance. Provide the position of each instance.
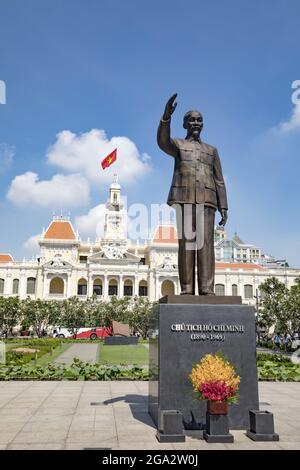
(113, 252)
(167, 265)
(57, 265)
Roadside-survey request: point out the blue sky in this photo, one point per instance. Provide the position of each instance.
(71, 66)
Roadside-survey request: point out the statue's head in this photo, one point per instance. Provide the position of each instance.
(193, 123)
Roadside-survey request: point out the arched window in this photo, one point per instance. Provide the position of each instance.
(97, 287)
(167, 287)
(31, 281)
(128, 288)
(1, 286)
(143, 289)
(248, 291)
(113, 287)
(219, 289)
(234, 289)
(82, 287)
(56, 286)
(15, 286)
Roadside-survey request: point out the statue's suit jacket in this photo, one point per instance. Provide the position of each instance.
(197, 177)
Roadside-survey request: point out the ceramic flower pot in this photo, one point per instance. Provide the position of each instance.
(25, 333)
(217, 407)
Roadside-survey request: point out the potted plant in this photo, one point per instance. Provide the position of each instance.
(214, 379)
(25, 327)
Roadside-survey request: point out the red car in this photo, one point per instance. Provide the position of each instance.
(94, 333)
(83, 333)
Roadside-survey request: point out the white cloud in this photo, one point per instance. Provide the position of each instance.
(81, 156)
(60, 192)
(7, 153)
(92, 223)
(84, 152)
(293, 123)
(31, 245)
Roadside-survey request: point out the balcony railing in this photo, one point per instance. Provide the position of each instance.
(56, 296)
(82, 296)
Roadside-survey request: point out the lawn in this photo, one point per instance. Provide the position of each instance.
(123, 355)
(48, 358)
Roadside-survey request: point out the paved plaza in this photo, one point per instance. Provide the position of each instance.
(113, 415)
(85, 352)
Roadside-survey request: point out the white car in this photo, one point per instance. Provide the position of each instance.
(60, 332)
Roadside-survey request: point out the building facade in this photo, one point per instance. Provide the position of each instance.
(113, 265)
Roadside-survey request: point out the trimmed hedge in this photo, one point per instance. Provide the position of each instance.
(278, 358)
(77, 371)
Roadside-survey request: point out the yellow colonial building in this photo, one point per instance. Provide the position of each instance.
(113, 265)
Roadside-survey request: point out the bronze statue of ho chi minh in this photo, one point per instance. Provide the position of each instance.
(197, 191)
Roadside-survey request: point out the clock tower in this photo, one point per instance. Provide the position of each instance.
(114, 215)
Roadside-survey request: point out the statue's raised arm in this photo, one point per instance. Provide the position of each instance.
(163, 134)
(170, 107)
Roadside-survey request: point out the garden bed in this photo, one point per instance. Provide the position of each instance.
(115, 364)
(22, 352)
(276, 367)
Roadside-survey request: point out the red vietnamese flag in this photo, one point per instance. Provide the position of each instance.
(111, 158)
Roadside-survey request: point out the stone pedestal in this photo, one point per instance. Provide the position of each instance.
(217, 429)
(262, 426)
(182, 333)
(172, 427)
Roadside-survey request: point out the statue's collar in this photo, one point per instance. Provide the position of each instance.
(191, 139)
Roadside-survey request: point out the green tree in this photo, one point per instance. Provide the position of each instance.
(293, 308)
(140, 314)
(40, 314)
(55, 312)
(274, 295)
(116, 310)
(95, 312)
(296, 286)
(10, 314)
(280, 306)
(73, 314)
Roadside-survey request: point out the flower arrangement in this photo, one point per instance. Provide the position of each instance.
(215, 379)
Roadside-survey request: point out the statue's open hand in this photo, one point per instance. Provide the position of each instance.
(170, 107)
(224, 217)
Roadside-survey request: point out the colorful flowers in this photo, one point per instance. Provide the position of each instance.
(214, 378)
